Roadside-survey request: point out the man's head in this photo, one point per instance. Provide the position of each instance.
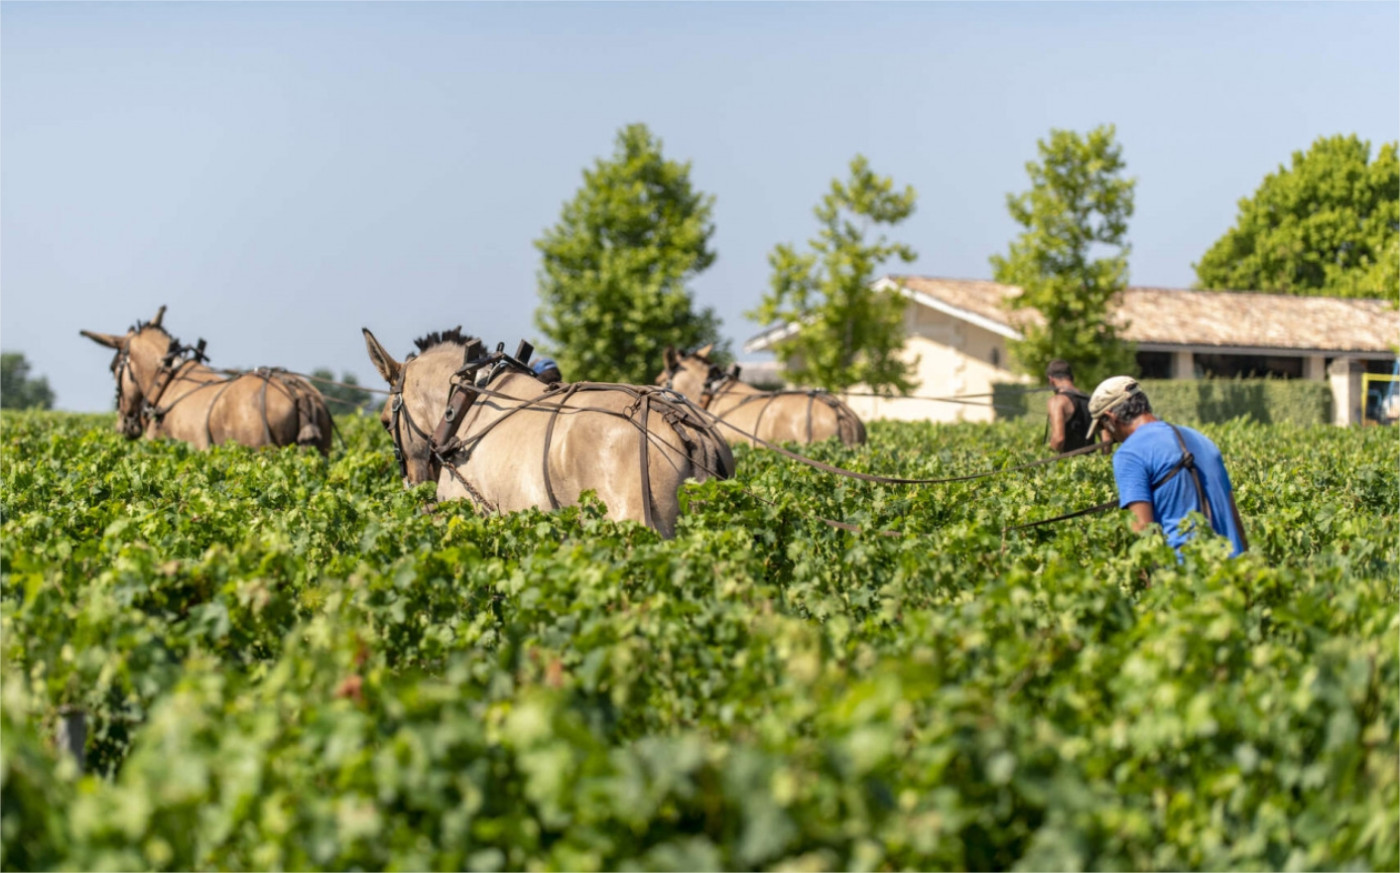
(547, 371)
(1115, 404)
(1058, 372)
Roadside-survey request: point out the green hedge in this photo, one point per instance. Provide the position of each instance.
(1206, 401)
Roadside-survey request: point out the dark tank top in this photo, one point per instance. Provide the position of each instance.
(1077, 425)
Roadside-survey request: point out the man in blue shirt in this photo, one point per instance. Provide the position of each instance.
(1163, 471)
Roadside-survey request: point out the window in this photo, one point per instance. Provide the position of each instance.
(1250, 366)
(1154, 365)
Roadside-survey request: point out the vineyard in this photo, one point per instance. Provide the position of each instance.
(283, 661)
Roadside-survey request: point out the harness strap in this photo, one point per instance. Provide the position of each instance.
(644, 402)
(548, 440)
(459, 398)
(209, 414)
(899, 480)
(262, 403)
(758, 419)
(157, 413)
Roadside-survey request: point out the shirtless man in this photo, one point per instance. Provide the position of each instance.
(1068, 410)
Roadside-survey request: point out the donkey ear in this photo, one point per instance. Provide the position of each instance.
(704, 351)
(382, 360)
(160, 313)
(104, 339)
(671, 358)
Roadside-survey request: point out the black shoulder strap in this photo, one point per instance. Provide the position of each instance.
(1188, 462)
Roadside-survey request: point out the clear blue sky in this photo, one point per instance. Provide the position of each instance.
(283, 173)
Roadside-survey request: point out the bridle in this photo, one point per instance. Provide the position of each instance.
(161, 380)
(398, 413)
(715, 379)
(464, 388)
(121, 366)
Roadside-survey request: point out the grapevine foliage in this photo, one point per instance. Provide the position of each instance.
(291, 662)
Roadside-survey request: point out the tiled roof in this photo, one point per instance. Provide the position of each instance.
(1226, 319)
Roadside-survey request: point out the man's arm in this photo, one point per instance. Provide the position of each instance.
(1142, 514)
(1134, 487)
(1055, 408)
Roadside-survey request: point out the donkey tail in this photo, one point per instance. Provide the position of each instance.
(709, 454)
(849, 427)
(311, 409)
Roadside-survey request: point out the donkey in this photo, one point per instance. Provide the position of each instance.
(512, 441)
(799, 416)
(164, 389)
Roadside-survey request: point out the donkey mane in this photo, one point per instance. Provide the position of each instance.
(437, 338)
(142, 325)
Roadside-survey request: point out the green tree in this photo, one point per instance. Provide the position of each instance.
(847, 332)
(1327, 225)
(615, 267)
(1078, 207)
(342, 398)
(17, 390)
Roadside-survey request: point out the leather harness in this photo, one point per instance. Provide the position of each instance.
(721, 382)
(453, 452)
(171, 370)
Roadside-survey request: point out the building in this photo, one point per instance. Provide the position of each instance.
(958, 331)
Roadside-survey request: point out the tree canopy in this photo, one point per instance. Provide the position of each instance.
(613, 282)
(17, 390)
(345, 397)
(1328, 224)
(1078, 206)
(847, 333)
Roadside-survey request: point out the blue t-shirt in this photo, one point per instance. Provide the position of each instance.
(1145, 459)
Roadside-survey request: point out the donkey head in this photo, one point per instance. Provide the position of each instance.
(138, 357)
(418, 395)
(688, 373)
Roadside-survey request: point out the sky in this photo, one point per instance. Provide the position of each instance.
(283, 174)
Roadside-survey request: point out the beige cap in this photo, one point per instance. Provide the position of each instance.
(1111, 392)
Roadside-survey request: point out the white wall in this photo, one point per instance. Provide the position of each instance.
(955, 358)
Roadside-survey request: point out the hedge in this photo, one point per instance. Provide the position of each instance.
(1206, 401)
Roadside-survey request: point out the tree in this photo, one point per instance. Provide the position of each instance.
(615, 267)
(17, 390)
(342, 398)
(1328, 225)
(1078, 205)
(847, 333)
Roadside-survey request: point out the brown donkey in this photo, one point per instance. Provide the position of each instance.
(798, 416)
(513, 442)
(165, 390)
